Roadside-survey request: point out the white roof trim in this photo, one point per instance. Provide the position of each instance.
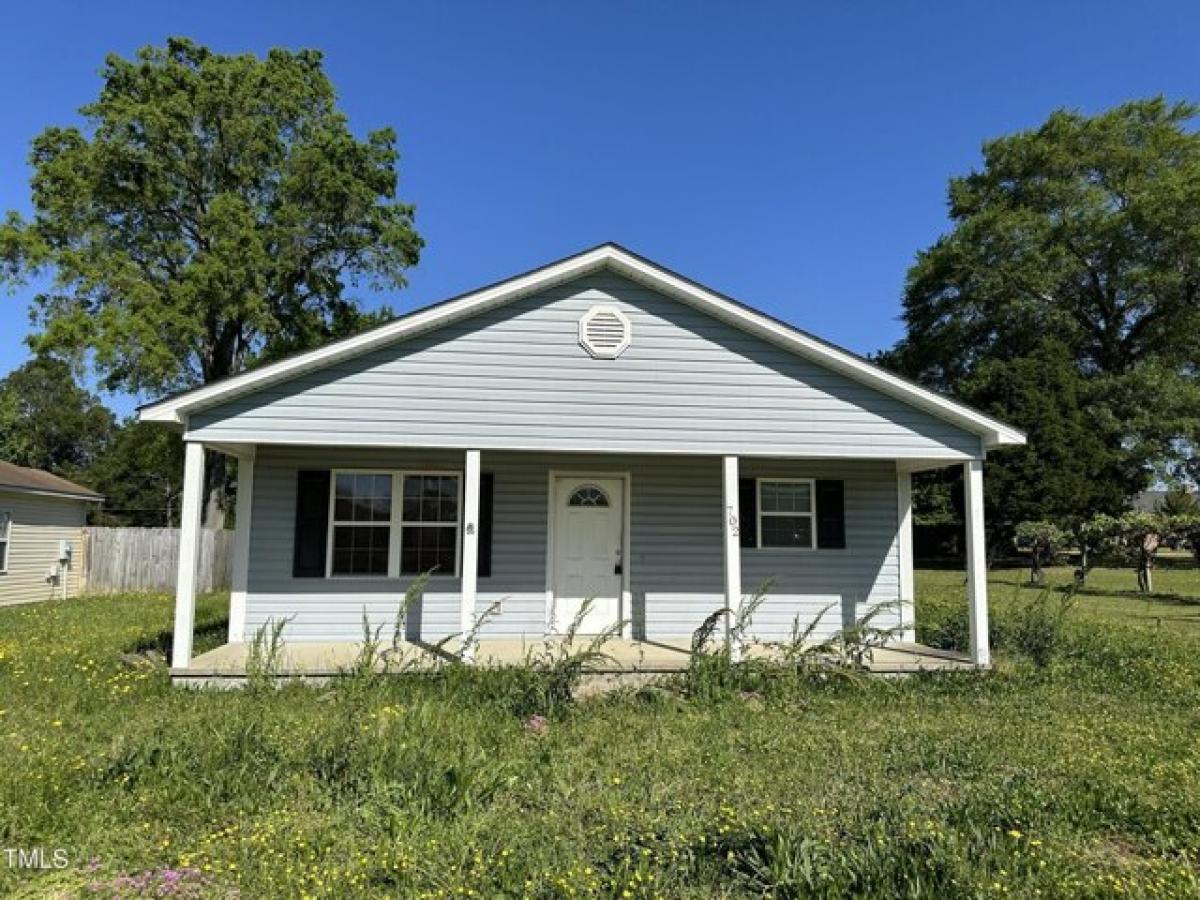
(994, 432)
(46, 492)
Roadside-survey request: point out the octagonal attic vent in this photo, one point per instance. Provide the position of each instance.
(605, 332)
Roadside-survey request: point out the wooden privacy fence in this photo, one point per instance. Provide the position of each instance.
(145, 559)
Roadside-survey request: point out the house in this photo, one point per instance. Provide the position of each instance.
(1152, 500)
(41, 534)
(599, 428)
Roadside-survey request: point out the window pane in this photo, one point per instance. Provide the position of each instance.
(431, 498)
(425, 549)
(588, 495)
(786, 531)
(360, 549)
(781, 496)
(449, 506)
(362, 498)
(383, 486)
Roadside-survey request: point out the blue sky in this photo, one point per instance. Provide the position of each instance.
(792, 155)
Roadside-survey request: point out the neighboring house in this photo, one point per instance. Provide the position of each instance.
(597, 428)
(41, 534)
(1147, 501)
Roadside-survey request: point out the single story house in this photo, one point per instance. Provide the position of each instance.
(41, 534)
(600, 429)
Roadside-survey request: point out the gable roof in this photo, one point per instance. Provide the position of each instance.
(35, 481)
(175, 409)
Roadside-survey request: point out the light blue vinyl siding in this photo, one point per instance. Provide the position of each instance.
(676, 567)
(515, 377)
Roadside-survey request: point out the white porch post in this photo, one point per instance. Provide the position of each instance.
(976, 563)
(189, 550)
(733, 555)
(241, 548)
(904, 542)
(470, 557)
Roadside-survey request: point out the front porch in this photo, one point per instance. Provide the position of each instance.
(683, 537)
(314, 661)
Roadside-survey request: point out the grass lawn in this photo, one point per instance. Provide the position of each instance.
(1077, 778)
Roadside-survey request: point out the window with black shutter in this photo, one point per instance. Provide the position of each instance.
(796, 513)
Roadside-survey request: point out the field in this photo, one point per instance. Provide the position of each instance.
(1073, 769)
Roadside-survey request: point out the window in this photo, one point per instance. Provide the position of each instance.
(373, 536)
(429, 524)
(786, 513)
(5, 531)
(588, 495)
(362, 529)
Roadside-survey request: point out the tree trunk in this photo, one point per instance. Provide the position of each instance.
(1143, 574)
(214, 489)
(1082, 572)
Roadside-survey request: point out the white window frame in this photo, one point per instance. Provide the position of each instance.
(402, 524)
(811, 514)
(395, 521)
(5, 539)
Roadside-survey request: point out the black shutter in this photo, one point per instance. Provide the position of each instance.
(487, 483)
(312, 524)
(748, 511)
(831, 515)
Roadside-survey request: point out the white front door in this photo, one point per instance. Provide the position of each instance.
(589, 519)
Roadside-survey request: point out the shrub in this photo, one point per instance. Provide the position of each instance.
(1038, 628)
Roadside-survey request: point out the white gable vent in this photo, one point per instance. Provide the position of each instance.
(605, 332)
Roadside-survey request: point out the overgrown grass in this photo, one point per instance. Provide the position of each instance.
(1072, 769)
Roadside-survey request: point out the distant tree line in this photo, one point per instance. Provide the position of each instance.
(47, 421)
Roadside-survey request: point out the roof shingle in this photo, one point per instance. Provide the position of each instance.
(22, 479)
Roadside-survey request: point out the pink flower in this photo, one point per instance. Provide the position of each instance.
(536, 724)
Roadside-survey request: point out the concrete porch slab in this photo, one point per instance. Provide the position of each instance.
(320, 661)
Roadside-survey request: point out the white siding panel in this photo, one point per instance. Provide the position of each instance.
(516, 377)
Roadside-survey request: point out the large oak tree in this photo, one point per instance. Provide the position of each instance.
(1072, 269)
(212, 213)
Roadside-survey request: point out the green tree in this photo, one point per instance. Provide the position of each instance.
(1179, 502)
(1136, 537)
(140, 475)
(47, 421)
(1086, 232)
(1044, 541)
(1069, 470)
(211, 214)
